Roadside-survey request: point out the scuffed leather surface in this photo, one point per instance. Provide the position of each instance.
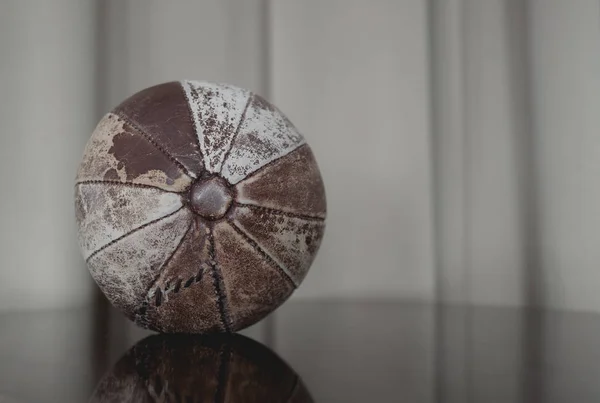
(161, 258)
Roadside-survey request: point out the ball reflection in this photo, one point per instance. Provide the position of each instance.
(177, 368)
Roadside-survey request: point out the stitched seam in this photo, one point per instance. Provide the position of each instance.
(218, 284)
(142, 309)
(196, 119)
(126, 184)
(177, 282)
(114, 241)
(235, 134)
(176, 285)
(281, 212)
(155, 144)
(193, 121)
(268, 164)
(261, 252)
(166, 262)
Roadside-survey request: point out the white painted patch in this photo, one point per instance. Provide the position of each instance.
(125, 269)
(217, 110)
(265, 135)
(108, 211)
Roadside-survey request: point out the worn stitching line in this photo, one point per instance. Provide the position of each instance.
(187, 283)
(196, 278)
(235, 134)
(196, 120)
(131, 232)
(191, 113)
(146, 302)
(268, 164)
(126, 184)
(217, 282)
(151, 140)
(166, 262)
(262, 252)
(281, 212)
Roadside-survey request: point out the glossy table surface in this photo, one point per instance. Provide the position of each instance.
(342, 351)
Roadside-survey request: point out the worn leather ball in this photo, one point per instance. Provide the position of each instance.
(200, 207)
(230, 368)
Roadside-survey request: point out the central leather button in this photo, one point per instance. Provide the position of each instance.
(211, 198)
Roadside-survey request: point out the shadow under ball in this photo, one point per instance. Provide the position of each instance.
(200, 207)
(228, 368)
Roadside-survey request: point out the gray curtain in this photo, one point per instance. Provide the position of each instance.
(457, 139)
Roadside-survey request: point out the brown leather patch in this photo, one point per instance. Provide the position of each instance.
(254, 286)
(291, 241)
(291, 183)
(162, 112)
(188, 301)
(118, 152)
(138, 157)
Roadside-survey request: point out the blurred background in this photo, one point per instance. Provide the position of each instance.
(458, 140)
